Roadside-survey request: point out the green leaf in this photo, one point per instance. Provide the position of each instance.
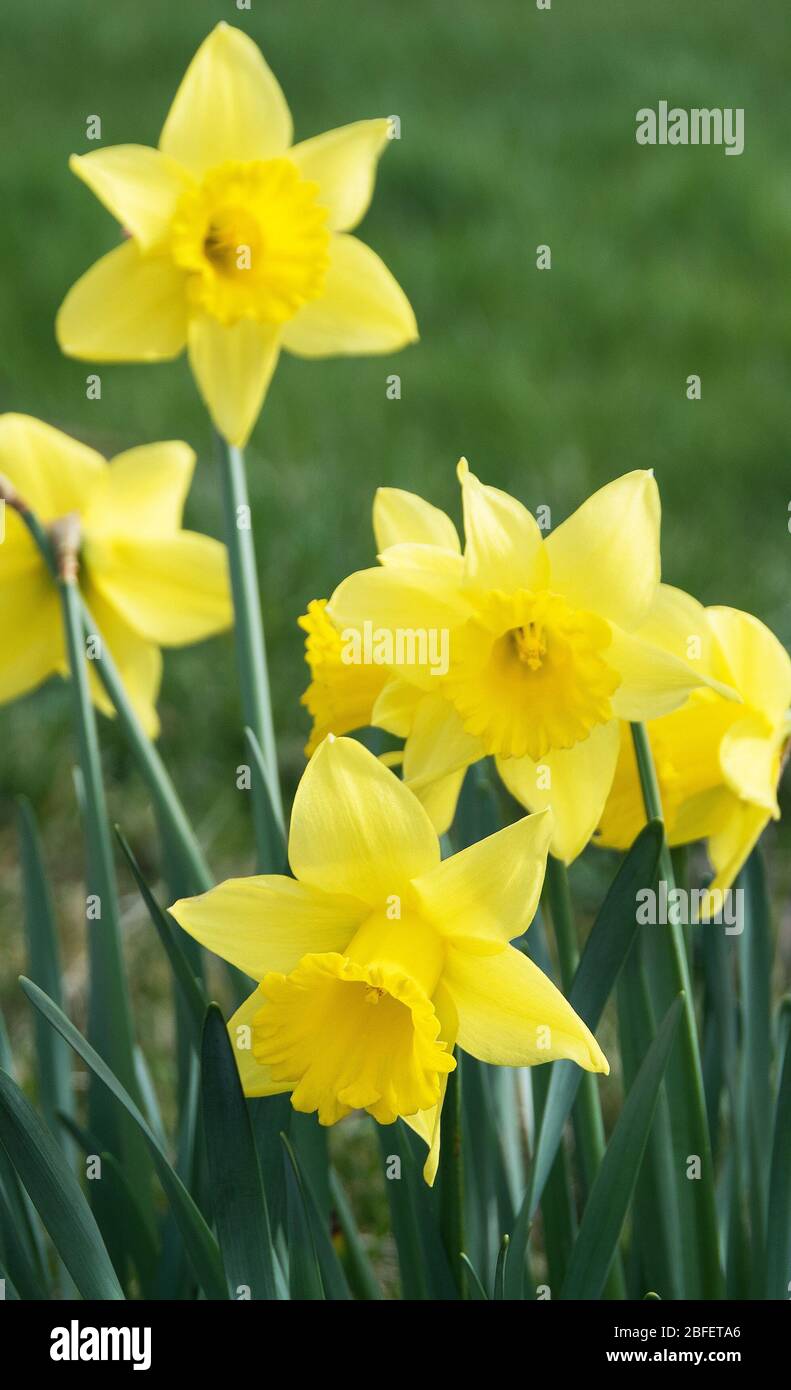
(476, 1291)
(605, 1210)
(56, 1194)
(270, 839)
(499, 1273)
(778, 1264)
(53, 1070)
(237, 1196)
(305, 1281)
(168, 933)
(755, 1119)
(359, 1271)
(198, 1239)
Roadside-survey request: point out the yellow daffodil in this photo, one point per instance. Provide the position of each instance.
(377, 959)
(148, 583)
(544, 652)
(238, 240)
(340, 697)
(718, 762)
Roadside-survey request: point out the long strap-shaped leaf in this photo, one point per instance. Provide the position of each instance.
(238, 1202)
(56, 1194)
(778, 1275)
(611, 1193)
(198, 1239)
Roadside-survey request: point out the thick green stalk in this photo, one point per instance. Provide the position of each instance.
(250, 645)
(588, 1122)
(451, 1192)
(685, 1076)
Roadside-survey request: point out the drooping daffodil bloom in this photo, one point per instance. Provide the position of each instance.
(238, 241)
(377, 959)
(147, 582)
(718, 762)
(527, 648)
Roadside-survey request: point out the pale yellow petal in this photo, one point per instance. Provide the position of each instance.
(486, 895)
(138, 185)
(233, 367)
(512, 1015)
(343, 163)
(574, 782)
(428, 559)
(504, 548)
(750, 761)
(401, 517)
(760, 665)
(731, 847)
(678, 624)
(605, 557)
(396, 706)
(31, 640)
(426, 1123)
(654, 682)
(439, 799)
(255, 1076)
(53, 473)
(355, 828)
(362, 308)
(229, 106)
(143, 491)
(437, 743)
(139, 663)
(126, 308)
(269, 922)
(172, 590)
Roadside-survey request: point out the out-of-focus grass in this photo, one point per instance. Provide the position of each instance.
(517, 130)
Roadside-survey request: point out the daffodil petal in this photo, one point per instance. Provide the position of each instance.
(171, 590)
(343, 163)
(678, 624)
(487, 894)
(138, 185)
(143, 491)
(396, 601)
(355, 829)
(437, 744)
(605, 557)
(760, 665)
(439, 799)
(255, 1076)
(126, 308)
(504, 547)
(269, 922)
(233, 366)
(139, 663)
(574, 782)
(31, 641)
(427, 1123)
(52, 473)
(749, 758)
(401, 517)
(653, 681)
(395, 707)
(229, 106)
(512, 1015)
(731, 847)
(362, 308)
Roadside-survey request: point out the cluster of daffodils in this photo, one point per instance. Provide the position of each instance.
(554, 644)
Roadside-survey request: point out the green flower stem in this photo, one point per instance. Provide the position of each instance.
(451, 1194)
(250, 646)
(588, 1122)
(685, 1078)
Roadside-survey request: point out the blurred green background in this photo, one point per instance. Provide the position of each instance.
(517, 130)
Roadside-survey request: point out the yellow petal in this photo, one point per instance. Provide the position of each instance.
(229, 106)
(255, 1076)
(396, 706)
(269, 922)
(404, 517)
(439, 799)
(405, 600)
(731, 847)
(750, 761)
(126, 308)
(52, 473)
(678, 624)
(340, 697)
(761, 667)
(574, 782)
(172, 590)
(427, 1123)
(139, 663)
(654, 682)
(362, 308)
(138, 185)
(143, 491)
(486, 895)
(605, 557)
(233, 367)
(343, 163)
(504, 548)
(437, 744)
(31, 648)
(355, 829)
(512, 1015)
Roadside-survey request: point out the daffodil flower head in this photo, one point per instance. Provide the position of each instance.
(147, 582)
(718, 760)
(378, 958)
(238, 240)
(545, 643)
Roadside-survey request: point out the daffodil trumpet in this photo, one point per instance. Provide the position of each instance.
(377, 959)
